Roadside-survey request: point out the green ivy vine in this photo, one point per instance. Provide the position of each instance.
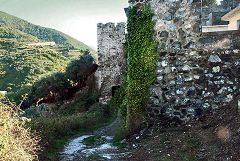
(141, 66)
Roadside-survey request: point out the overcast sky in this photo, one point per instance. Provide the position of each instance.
(77, 18)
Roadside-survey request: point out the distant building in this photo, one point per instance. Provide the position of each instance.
(3, 92)
(211, 15)
(42, 44)
(233, 17)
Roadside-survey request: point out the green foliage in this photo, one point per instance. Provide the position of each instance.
(13, 33)
(21, 69)
(142, 58)
(81, 103)
(94, 140)
(22, 65)
(77, 70)
(54, 84)
(8, 45)
(31, 112)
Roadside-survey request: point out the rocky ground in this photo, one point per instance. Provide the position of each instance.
(213, 137)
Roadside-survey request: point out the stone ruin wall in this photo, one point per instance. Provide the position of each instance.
(196, 73)
(110, 58)
(176, 24)
(193, 82)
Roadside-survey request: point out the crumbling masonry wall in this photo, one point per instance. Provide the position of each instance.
(195, 73)
(177, 24)
(111, 60)
(193, 82)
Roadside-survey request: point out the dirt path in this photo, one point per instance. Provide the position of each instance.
(77, 150)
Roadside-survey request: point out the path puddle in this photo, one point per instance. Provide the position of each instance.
(78, 150)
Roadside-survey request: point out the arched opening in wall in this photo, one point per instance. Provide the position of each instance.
(114, 90)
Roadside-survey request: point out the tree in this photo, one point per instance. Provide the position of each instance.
(79, 69)
(54, 85)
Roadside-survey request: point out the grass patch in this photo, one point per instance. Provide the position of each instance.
(94, 140)
(186, 157)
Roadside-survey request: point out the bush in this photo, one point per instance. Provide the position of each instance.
(81, 103)
(78, 69)
(16, 141)
(54, 84)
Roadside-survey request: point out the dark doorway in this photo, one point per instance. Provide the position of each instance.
(114, 90)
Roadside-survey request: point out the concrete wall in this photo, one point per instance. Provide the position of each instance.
(216, 28)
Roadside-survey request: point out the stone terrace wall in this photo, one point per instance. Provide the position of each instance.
(110, 58)
(223, 40)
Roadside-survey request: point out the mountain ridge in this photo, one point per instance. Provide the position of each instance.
(22, 64)
(42, 33)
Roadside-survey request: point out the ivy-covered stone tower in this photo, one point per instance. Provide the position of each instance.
(194, 72)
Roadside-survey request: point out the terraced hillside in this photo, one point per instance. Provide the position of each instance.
(42, 33)
(21, 64)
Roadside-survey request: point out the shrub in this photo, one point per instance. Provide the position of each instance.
(54, 84)
(78, 69)
(16, 141)
(81, 103)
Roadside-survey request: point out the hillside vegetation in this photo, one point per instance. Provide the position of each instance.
(22, 64)
(19, 70)
(42, 33)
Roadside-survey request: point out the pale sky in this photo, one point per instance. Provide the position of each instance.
(77, 18)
